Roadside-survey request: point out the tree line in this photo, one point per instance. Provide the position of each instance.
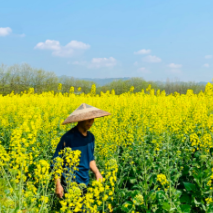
(139, 83)
(19, 78)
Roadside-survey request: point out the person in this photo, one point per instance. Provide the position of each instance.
(79, 138)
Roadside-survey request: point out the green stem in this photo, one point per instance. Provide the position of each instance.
(7, 177)
(20, 189)
(43, 197)
(103, 200)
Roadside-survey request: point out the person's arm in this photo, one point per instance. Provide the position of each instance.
(95, 170)
(92, 163)
(59, 190)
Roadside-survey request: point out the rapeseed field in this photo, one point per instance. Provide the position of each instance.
(155, 152)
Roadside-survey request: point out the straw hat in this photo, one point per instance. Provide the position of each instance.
(85, 112)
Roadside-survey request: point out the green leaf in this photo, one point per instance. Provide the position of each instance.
(136, 202)
(185, 208)
(189, 186)
(160, 194)
(134, 193)
(197, 154)
(121, 193)
(137, 187)
(203, 158)
(178, 193)
(133, 180)
(185, 170)
(127, 206)
(134, 169)
(210, 208)
(185, 198)
(152, 196)
(120, 182)
(7, 191)
(196, 202)
(166, 206)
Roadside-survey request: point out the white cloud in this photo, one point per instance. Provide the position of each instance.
(135, 63)
(175, 66)
(175, 71)
(208, 56)
(152, 59)
(21, 35)
(76, 62)
(102, 62)
(48, 45)
(79, 62)
(143, 70)
(78, 45)
(142, 52)
(5, 31)
(68, 50)
(97, 62)
(206, 65)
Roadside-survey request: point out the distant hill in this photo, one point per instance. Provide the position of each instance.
(104, 81)
(202, 83)
(182, 82)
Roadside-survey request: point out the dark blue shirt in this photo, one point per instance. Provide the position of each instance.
(76, 141)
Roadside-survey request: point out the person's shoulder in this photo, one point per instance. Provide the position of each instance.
(68, 133)
(71, 131)
(67, 137)
(63, 137)
(91, 135)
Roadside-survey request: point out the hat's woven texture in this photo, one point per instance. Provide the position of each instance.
(85, 112)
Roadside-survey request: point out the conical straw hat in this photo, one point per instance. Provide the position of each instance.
(85, 112)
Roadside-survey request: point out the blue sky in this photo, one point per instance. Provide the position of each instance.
(152, 39)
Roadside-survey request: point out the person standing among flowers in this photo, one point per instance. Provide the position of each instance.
(79, 138)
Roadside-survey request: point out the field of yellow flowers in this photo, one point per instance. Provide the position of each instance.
(155, 152)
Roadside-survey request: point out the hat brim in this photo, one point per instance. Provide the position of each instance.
(85, 116)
